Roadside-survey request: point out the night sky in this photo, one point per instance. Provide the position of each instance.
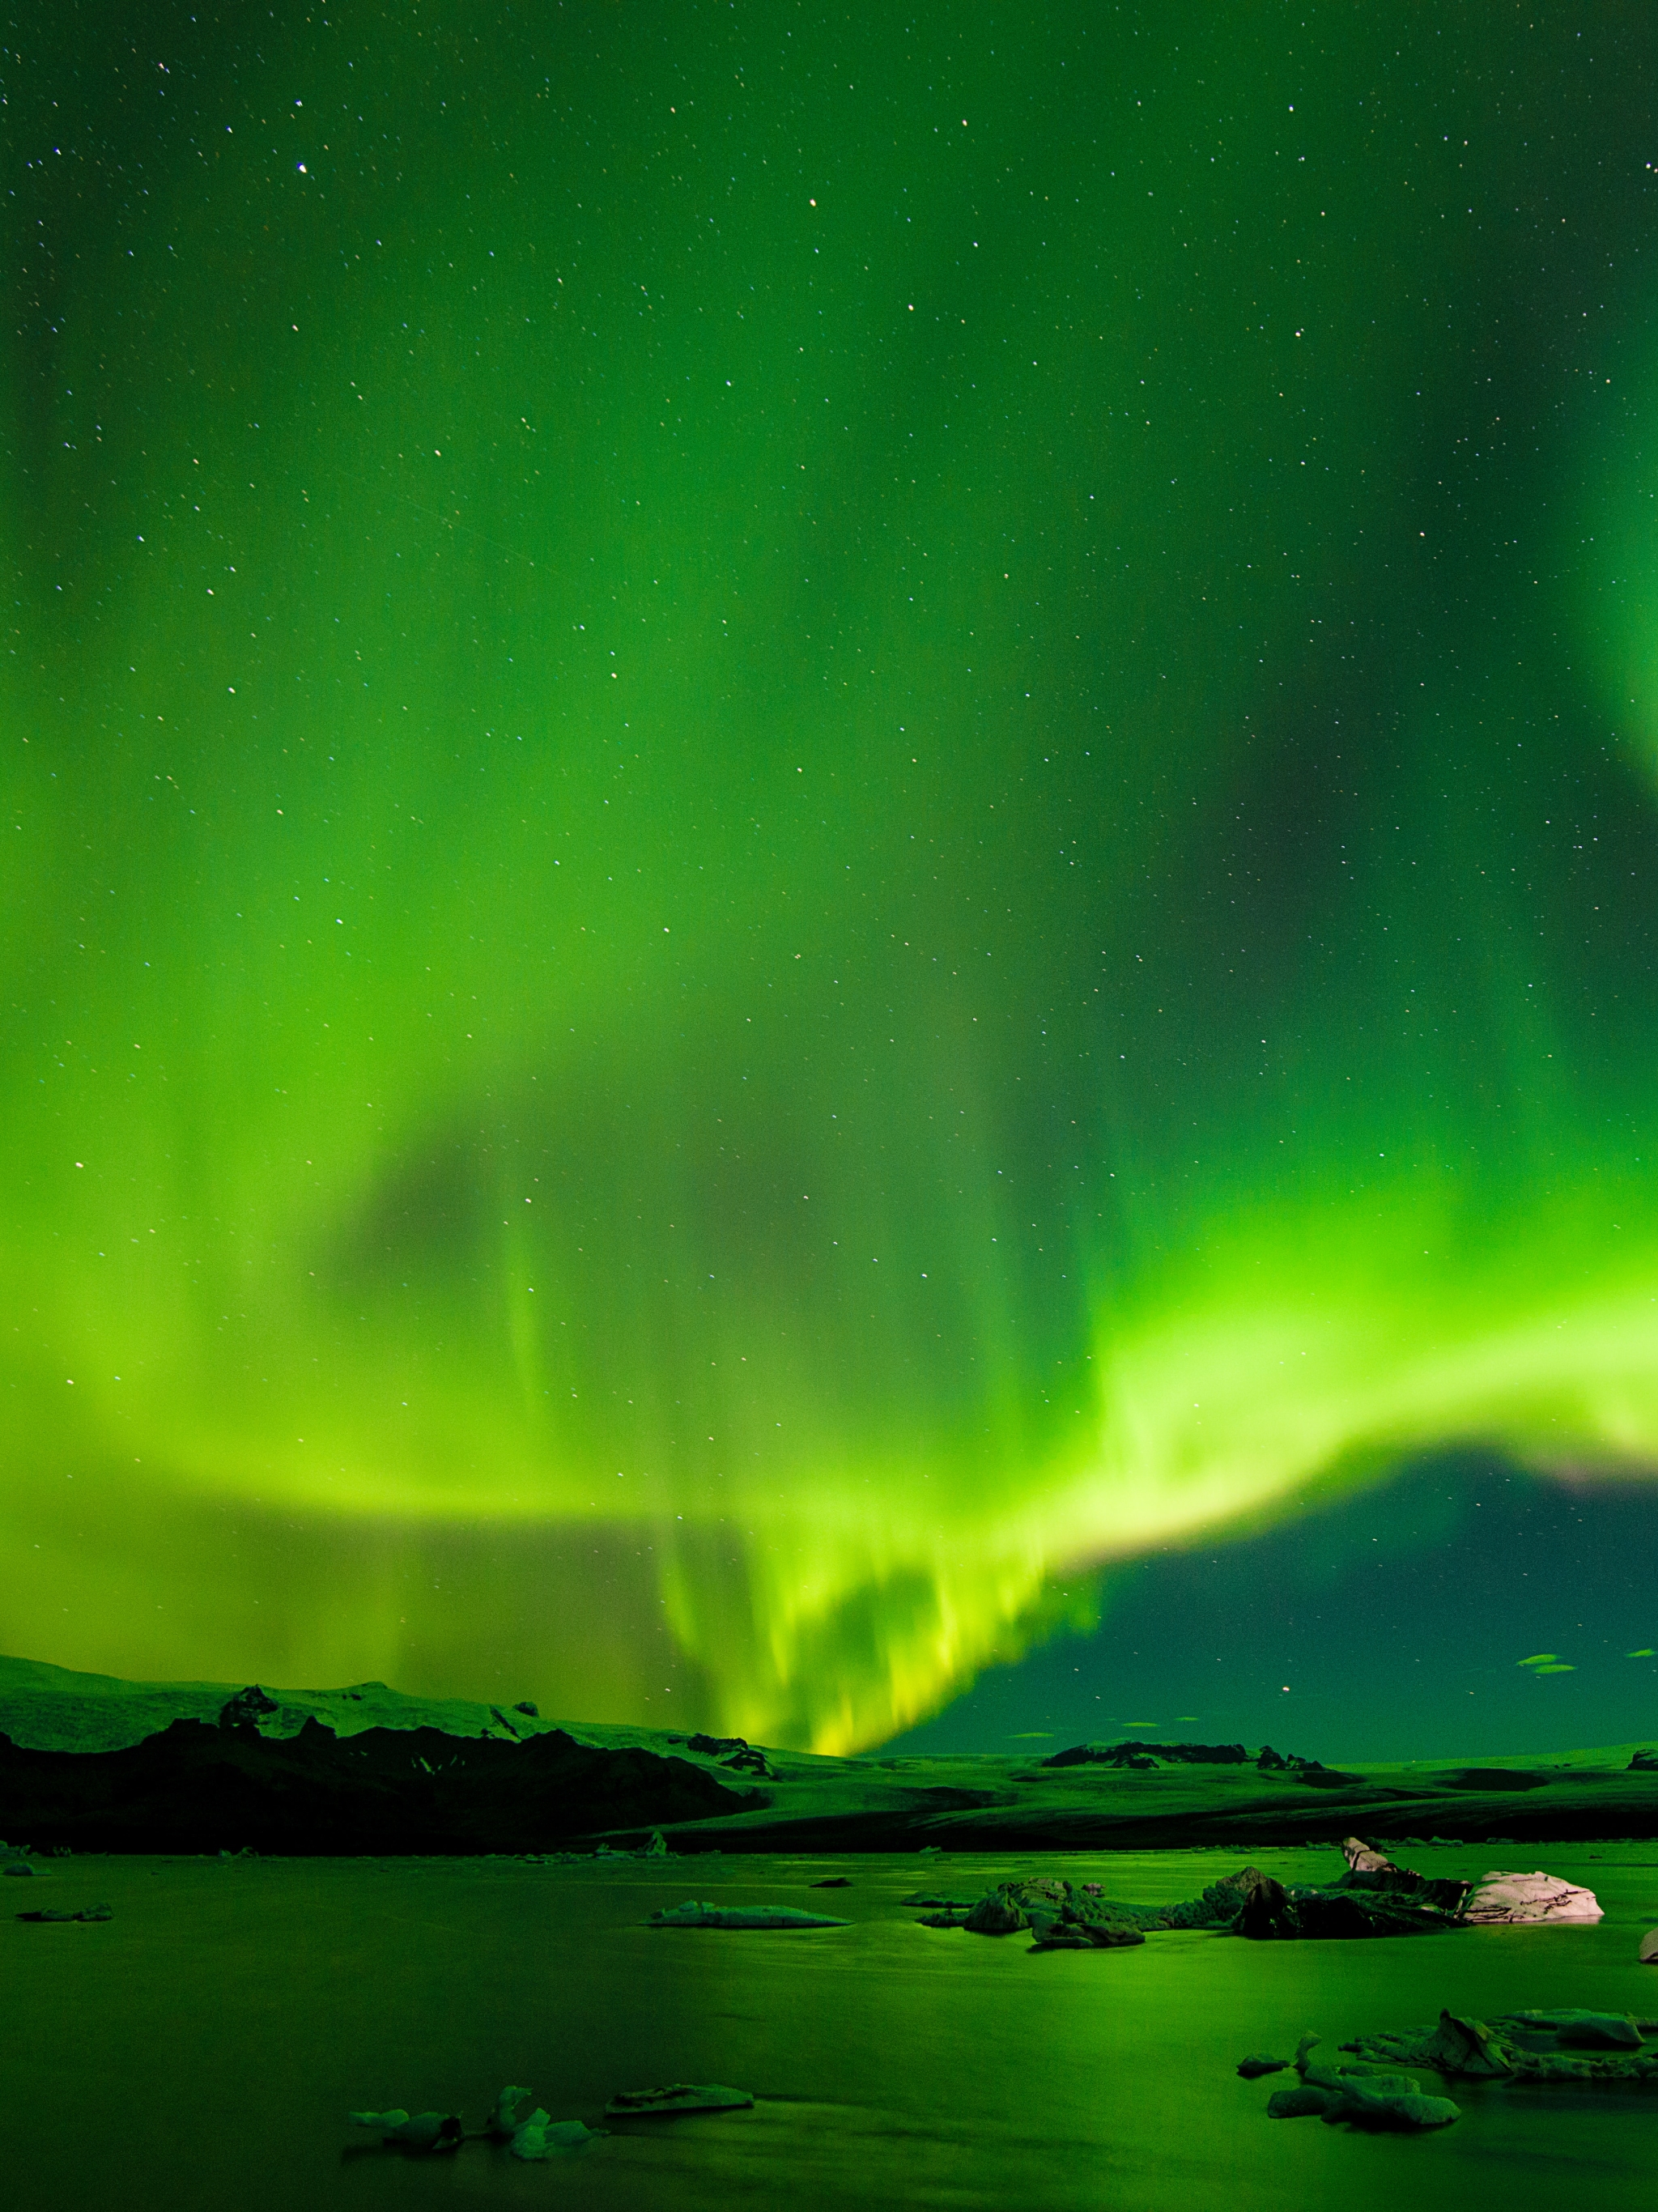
(832, 855)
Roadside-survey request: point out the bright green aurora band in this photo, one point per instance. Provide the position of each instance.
(807, 821)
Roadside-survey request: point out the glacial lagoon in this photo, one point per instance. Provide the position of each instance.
(202, 2048)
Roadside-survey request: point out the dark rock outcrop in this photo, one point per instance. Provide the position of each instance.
(735, 1751)
(1216, 1906)
(1150, 1754)
(1271, 1911)
(247, 1707)
(198, 1787)
(1313, 1771)
(752, 1761)
(1373, 1897)
(1374, 1872)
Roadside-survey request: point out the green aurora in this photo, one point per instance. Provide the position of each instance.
(807, 821)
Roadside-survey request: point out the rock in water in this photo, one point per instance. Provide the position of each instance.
(1510, 1900)
(677, 2096)
(1256, 2065)
(996, 1915)
(1376, 1899)
(690, 1914)
(1649, 1952)
(1061, 1917)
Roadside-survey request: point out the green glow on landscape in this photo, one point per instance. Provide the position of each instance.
(777, 799)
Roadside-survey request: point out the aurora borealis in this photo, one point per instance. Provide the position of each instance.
(809, 818)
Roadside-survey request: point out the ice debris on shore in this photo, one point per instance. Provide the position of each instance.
(531, 2135)
(414, 2131)
(539, 2137)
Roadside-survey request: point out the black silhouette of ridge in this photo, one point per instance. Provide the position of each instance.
(194, 1787)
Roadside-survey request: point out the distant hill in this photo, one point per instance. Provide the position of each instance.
(99, 1763)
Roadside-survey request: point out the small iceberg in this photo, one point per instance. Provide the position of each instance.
(690, 1914)
(678, 2097)
(539, 2138)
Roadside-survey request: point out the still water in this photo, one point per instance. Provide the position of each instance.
(200, 2050)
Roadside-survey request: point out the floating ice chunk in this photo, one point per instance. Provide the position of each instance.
(504, 2121)
(541, 2138)
(416, 2132)
(677, 2096)
(690, 1914)
(1509, 1900)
